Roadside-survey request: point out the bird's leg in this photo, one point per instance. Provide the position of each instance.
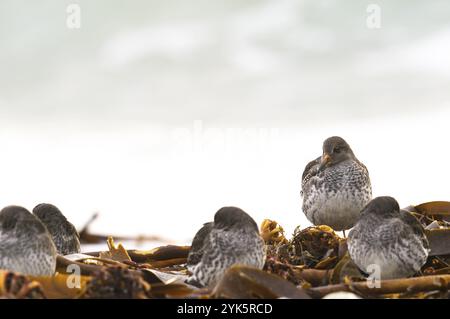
(343, 232)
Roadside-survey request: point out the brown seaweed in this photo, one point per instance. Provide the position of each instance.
(393, 286)
(16, 286)
(314, 247)
(250, 283)
(312, 263)
(116, 283)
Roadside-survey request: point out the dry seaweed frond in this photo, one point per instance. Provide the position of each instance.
(283, 270)
(116, 283)
(16, 286)
(272, 233)
(298, 275)
(437, 212)
(314, 247)
(62, 264)
(160, 253)
(439, 240)
(62, 286)
(345, 271)
(401, 286)
(117, 253)
(437, 265)
(243, 282)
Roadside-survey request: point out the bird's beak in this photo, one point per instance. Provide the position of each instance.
(326, 160)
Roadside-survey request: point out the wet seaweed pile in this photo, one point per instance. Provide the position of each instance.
(313, 263)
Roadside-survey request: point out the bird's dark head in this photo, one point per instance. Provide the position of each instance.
(12, 217)
(382, 206)
(233, 217)
(48, 212)
(335, 150)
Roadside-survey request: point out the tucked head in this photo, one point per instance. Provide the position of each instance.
(382, 206)
(233, 217)
(14, 217)
(63, 233)
(48, 212)
(335, 151)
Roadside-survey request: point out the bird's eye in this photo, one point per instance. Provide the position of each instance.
(337, 150)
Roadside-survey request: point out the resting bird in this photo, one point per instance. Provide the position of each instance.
(335, 186)
(388, 239)
(196, 251)
(64, 234)
(25, 244)
(232, 239)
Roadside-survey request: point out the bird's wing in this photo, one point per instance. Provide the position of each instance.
(72, 230)
(309, 171)
(68, 236)
(415, 225)
(400, 229)
(391, 231)
(197, 246)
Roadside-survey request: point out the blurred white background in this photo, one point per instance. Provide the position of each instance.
(158, 113)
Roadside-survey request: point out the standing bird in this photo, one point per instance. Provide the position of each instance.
(64, 234)
(388, 238)
(232, 239)
(335, 186)
(25, 244)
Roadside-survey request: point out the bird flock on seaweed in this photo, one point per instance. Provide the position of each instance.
(230, 256)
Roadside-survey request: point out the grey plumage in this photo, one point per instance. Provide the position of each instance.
(64, 234)
(390, 238)
(232, 239)
(335, 186)
(196, 251)
(25, 244)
